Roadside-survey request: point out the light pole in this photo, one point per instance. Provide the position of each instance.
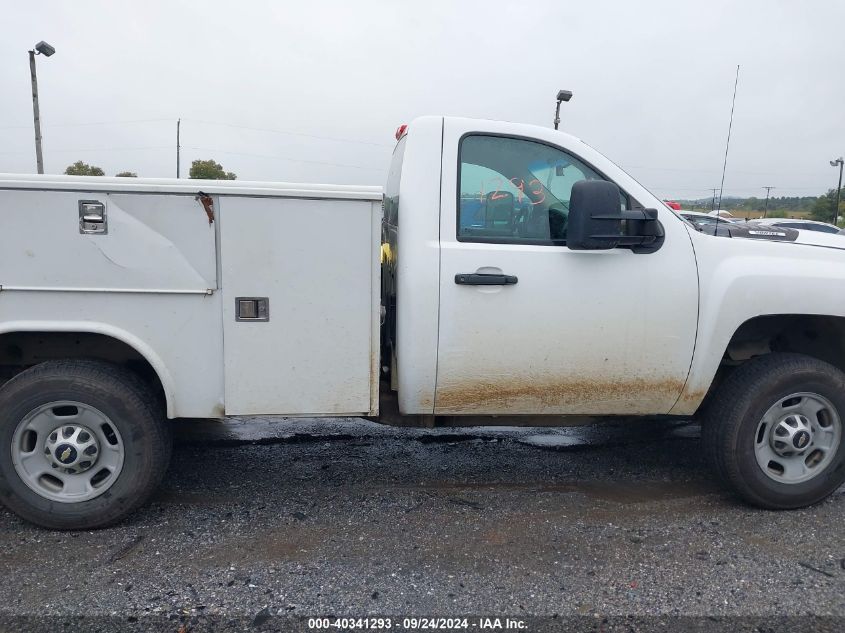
(42, 48)
(834, 163)
(562, 95)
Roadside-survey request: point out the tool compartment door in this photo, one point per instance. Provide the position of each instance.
(139, 242)
(303, 274)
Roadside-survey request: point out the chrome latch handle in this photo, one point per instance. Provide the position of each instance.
(92, 218)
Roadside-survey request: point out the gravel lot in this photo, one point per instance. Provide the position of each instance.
(264, 523)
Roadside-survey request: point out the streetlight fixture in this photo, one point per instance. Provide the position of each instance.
(42, 48)
(562, 95)
(839, 161)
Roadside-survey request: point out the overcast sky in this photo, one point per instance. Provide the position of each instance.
(313, 91)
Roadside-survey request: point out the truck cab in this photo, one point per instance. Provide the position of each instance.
(491, 306)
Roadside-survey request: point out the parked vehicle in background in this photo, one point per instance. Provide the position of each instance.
(699, 219)
(803, 225)
(507, 272)
(724, 216)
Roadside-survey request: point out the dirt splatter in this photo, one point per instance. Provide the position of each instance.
(689, 401)
(563, 395)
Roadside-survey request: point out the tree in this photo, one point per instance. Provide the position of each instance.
(126, 174)
(83, 169)
(210, 170)
(822, 209)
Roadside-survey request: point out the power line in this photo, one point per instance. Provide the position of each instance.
(91, 123)
(294, 160)
(733, 189)
(98, 149)
(289, 133)
(712, 171)
(203, 122)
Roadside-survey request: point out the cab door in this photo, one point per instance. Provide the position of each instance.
(527, 326)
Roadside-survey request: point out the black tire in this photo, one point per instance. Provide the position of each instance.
(131, 406)
(730, 427)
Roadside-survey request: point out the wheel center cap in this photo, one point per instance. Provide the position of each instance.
(800, 440)
(72, 448)
(66, 454)
(792, 435)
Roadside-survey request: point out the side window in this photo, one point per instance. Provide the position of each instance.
(515, 190)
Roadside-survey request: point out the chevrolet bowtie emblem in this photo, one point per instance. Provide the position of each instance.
(65, 454)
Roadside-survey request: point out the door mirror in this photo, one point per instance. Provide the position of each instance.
(596, 221)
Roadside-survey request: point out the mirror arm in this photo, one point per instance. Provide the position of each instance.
(645, 233)
(628, 214)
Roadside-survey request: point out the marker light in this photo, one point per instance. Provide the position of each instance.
(401, 131)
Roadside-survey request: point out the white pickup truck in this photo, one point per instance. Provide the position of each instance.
(508, 270)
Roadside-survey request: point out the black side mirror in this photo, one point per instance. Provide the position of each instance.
(596, 221)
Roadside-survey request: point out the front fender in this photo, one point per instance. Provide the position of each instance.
(742, 279)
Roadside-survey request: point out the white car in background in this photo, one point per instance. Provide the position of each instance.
(803, 225)
(724, 215)
(703, 219)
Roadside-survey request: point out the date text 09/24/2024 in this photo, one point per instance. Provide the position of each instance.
(418, 623)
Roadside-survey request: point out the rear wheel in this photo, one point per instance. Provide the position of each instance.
(82, 444)
(774, 430)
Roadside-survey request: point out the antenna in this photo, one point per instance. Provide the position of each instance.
(727, 146)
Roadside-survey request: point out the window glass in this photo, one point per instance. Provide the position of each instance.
(821, 228)
(515, 190)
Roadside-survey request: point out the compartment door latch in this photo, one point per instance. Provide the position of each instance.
(252, 309)
(92, 218)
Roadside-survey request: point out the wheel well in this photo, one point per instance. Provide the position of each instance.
(819, 336)
(21, 350)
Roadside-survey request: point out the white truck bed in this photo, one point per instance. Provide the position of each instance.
(165, 281)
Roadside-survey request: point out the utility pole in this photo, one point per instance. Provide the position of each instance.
(713, 205)
(766, 209)
(839, 161)
(178, 147)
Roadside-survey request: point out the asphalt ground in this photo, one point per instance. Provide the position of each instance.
(267, 524)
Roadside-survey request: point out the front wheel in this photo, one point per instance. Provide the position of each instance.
(82, 444)
(774, 431)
